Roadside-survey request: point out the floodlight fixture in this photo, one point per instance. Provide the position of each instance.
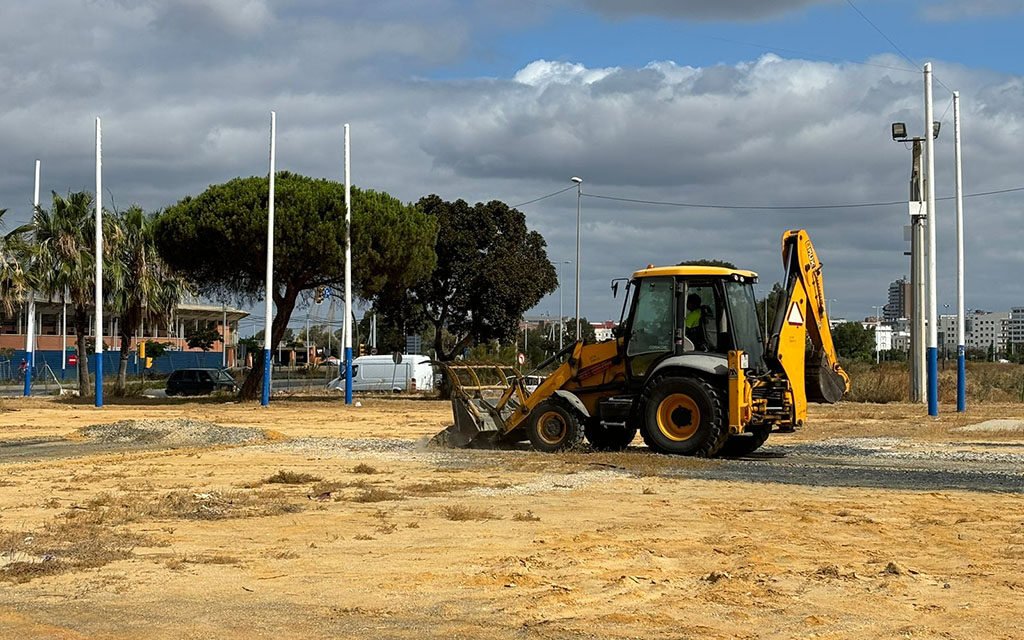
(899, 131)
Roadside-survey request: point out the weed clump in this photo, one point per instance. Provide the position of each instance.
(461, 513)
(291, 477)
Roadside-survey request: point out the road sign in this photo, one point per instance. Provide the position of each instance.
(521, 359)
(396, 357)
(72, 360)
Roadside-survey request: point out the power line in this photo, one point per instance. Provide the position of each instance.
(890, 41)
(552, 194)
(804, 207)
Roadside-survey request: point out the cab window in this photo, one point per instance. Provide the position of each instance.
(654, 318)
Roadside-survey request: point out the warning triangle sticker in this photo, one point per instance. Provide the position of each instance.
(795, 317)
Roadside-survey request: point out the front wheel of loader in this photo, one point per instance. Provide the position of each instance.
(554, 427)
(684, 416)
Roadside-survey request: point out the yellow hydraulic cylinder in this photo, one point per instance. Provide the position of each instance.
(740, 393)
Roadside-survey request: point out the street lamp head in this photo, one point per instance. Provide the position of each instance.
(936, 125)
(899, 131)
(576, 179)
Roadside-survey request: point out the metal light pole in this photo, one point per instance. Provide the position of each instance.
(878, 324)
(961, 348)
(268, 308)
(561, 316)
(933, 314)
(579, 199)
(99, 266)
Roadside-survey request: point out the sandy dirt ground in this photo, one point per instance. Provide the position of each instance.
(376, 535)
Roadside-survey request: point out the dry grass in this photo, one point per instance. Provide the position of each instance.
(61, 546)
(108, 510)
(462, 513)
(291, 477)
(377, 494)
(525, 516)
(364, 468)
(889, 382)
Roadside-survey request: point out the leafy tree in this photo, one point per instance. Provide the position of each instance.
(854, 342)
(148, 291)
(708, 262)
(217, 240)
(63, 264)
(770, 305)
(490, 269)
(203, 338)
(155, 348)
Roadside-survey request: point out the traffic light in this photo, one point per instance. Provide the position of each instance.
(142, 350)
(362, 349)
(149, 363)
(318, 295)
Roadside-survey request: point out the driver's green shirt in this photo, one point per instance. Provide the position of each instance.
(693, 319)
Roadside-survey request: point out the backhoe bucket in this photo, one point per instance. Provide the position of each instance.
(824, 385)
(470, 428)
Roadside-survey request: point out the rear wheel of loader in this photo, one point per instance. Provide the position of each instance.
(744, 443)
(608, 437)
(554, 427)
(684, 416)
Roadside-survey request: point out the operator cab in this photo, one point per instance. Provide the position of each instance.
(673, 311)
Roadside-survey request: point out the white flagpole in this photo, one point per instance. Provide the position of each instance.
(99, 266)
(268, 312)
(348, 270)
(30, 333)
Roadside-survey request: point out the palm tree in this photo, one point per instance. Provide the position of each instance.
(12, 274)
(63, 263)
(149, 291)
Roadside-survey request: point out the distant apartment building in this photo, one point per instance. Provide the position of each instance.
(988, 329)
(1015, 327)
(899, 301)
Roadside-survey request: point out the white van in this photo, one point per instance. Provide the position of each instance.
(380, 373)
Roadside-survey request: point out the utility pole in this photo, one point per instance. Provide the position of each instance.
(30, 333)
(268, 309)
(961, 348)
(917, 288)
(223, 336)
(933, 313)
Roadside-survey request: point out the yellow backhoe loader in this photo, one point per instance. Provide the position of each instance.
(688, 367)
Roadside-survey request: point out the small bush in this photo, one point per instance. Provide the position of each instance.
(364, 468)
(291, 477)
(525, 517)
(461, 512)
(376, 494)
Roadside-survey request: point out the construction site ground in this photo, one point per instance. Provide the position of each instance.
(311, 519)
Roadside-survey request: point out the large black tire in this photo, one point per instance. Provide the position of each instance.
(683, 416)
(554, 427)
(608, 438)
(745, 443)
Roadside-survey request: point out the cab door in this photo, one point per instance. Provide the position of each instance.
(652, 324)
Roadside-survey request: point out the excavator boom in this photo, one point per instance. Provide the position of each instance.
(801, 317)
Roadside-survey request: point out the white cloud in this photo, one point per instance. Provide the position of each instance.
(768, 131)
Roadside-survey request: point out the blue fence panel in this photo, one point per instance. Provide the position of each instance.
(171, 360)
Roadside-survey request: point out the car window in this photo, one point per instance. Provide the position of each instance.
(204, 376)
(175, 377)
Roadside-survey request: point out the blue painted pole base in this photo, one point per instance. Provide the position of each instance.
(933, 381)
(348, 375)
(99, 379)
(961, 379)
(265, 397)
(28, 374)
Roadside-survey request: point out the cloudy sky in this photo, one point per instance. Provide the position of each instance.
(781, 103)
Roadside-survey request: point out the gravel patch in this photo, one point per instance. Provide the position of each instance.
(998, 425)
(179, 432)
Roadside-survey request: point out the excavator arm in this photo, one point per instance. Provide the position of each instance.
(813, 369)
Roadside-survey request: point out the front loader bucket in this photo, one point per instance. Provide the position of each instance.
(479, 420)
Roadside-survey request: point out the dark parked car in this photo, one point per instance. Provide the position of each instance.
(194, 382)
